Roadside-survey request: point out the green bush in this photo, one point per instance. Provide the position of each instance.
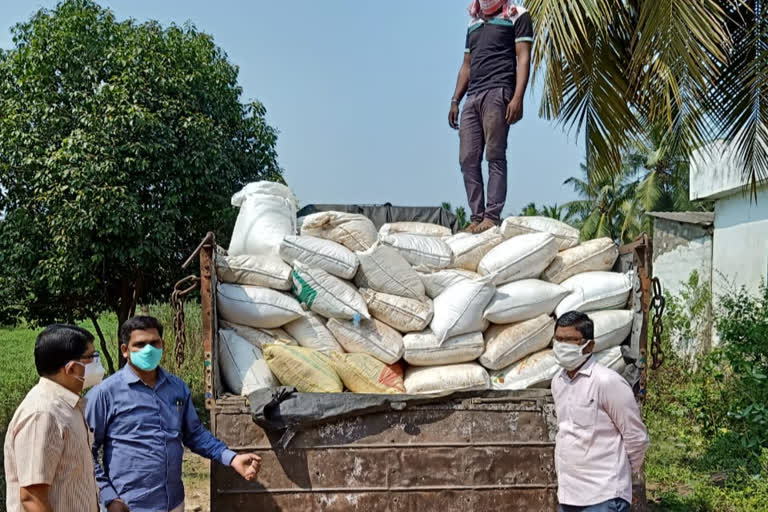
(743, 328)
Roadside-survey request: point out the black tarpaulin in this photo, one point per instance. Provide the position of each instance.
(386, 213)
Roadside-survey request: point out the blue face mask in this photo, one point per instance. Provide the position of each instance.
(147, 358)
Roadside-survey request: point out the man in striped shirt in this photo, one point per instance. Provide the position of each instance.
(494, 76)
(48, 462)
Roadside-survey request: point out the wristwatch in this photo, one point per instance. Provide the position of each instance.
(454, 100)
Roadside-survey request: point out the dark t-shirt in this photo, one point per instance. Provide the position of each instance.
(491, 43)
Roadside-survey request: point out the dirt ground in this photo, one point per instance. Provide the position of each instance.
(196, 471)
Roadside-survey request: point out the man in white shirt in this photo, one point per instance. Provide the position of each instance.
(601, 437)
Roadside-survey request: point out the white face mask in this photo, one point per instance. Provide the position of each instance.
(94, 372)
(568, 355)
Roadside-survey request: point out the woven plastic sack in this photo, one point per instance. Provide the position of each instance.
(400, 313)
(523, 300)
(566, 236)
(362, 373)
(310, 332)
(594, 291)
(591, 256)
(327, 295)
(469, 250)
(507, 344)
(255, 306)
(307, 370)
(521, 257)
(385, 270)
(259, 337)
(446, 379)
(242, 365)
(354, 231)
(422, 252)
(459, 309)
(267, 271)
(423, 348)
(415, 228)
(436, 283)
(370, 337)
(316, 252)
(536, 370)
(611, 327)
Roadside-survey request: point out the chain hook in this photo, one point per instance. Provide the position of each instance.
(658, 302)
(180, 290)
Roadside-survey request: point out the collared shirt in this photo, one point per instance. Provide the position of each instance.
(143, 431)
(48, 443)
(601, 437)
(492, 45)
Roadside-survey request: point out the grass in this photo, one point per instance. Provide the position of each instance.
(689, 469)
(19, 374)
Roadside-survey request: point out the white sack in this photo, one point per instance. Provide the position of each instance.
(507, 344)
(414, 228)
(369, 337)
(421, 251)
(255, 306)
(266, 270)
(385, 270)
(591, 256)
(566, 236)
(459, 309)
(261, 224)
(535, 370)
(327, 295)
(594, 291)
(310, 332)
(436, 283)
(469, 250)
(320, 253)
(521, 257)
(612, 358)
(263, 188)
(446, 379)
(259, 337)
(400, 313)
(242, 365)
(611, 327)
(423, 348)
(523, 300)
(354, 231)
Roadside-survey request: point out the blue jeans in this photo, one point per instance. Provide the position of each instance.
(615, 505)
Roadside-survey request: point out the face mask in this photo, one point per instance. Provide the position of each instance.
(147, 358)
(490, 6)
(568, 355)
(94, 373)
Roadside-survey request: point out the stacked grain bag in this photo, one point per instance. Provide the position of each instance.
(409, 308)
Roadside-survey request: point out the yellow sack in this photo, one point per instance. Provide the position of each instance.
(362, 373)
(307, 370)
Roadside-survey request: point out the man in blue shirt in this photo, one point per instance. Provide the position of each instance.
(142, 417)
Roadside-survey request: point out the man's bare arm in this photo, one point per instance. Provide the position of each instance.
(462, 84)
(515, 107)
(34, 498)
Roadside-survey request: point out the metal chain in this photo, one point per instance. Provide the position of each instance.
(658, 303)
(177, 305)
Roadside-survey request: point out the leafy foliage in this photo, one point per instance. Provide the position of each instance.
(555, 211)
(461, 215)
(707, 437)
(120, 146)
(695, 69)
(654, 177)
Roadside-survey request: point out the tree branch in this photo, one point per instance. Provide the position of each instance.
(102, 341)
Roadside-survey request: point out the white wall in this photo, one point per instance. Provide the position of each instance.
(673, 268)
(740, 246)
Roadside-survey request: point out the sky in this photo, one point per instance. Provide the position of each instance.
(359, 92)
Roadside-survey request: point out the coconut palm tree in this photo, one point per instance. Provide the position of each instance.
(695, 69)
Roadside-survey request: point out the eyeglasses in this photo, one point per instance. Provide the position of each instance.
(92, 357)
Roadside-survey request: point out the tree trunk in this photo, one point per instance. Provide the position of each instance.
(124, 309)
(102, 342)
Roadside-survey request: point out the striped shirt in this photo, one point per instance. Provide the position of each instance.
(48, 443)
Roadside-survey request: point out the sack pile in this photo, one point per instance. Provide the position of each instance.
(327, 302)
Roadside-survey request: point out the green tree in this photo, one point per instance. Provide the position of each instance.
(461, 215)
(120, 146)
(554, 211)
(695, 69)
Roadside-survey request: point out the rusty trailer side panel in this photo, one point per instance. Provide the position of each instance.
(467, 453)
(490, 450)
